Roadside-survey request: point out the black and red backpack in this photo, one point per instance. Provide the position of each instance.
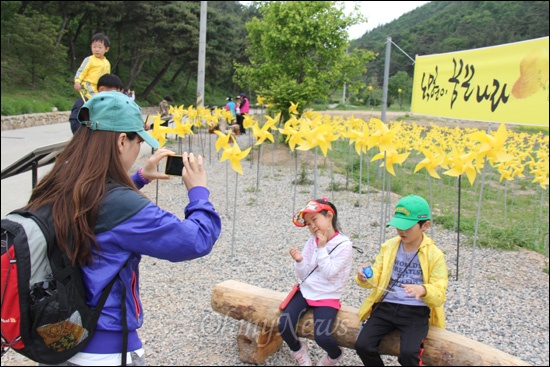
(44, 311)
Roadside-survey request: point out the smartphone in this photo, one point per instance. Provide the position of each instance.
(174, 165)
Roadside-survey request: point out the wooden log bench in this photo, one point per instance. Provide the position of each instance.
(258, 337)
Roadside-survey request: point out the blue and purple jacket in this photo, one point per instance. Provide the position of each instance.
(128, 226)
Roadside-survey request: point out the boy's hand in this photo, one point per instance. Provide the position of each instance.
(296, 254)
(414, 290)
(77, 86)
(360, 275)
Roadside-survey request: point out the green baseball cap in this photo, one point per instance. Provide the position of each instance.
(115, 111)
(409, 211)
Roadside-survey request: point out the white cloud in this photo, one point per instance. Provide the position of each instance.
(378, 13)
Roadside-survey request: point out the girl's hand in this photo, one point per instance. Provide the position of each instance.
(296, 254)
(322, 238)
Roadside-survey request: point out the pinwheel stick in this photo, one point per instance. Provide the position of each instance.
(227, 188)
(387, 209)
(295, 179)
(382, 206)
(209, 148)
(234, 215)
(476, 228)
(459, 180)
(431, 206)
(348, 167)
(315, 174)
(359, 197)
(258, 172)
(331, 178)
(368, 180)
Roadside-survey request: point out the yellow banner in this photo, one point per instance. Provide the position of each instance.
(506, 83)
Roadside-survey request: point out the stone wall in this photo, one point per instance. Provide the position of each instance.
(40, 119)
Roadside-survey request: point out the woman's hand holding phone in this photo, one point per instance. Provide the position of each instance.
(189, 168)
(149, 170)
(193, 172)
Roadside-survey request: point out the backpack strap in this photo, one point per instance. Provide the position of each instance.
(63, 271)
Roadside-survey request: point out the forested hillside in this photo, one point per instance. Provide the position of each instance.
(154, 44)
(446, 26)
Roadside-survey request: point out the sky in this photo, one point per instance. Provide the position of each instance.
(379, 12)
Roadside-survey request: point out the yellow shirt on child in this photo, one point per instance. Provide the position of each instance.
(89, 72)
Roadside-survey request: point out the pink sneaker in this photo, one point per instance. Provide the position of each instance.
(302, 356)
(327, 361)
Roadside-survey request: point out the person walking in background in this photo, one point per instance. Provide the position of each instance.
(106, 83)
(409, 281)
(238, 115)
(130, 93)
(104, 224)
(324, 266)
(230, 106)
(244, 107)
(164, 110)
(93, 67)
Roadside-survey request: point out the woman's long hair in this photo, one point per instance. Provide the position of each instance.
(76, 187)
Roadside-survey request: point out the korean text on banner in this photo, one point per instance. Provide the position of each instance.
(504, 84)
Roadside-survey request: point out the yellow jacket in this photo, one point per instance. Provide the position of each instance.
(89, 72)
(434, 273)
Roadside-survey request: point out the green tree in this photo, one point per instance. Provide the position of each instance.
(298, 52)
(401, 80)
(30, 54)
(154, 44)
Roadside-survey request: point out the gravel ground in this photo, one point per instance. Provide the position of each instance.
(502, 301)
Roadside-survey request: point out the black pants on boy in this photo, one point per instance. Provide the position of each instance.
(412, 322)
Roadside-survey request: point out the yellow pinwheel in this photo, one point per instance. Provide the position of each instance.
(433, 160)
(540, 171)
(262, 133)
(542, 180)
(492, 146)
(235, 155)
(192, 113)
(392, 157)
(462, 164)
(248, 121)
(320, 136)
(293, 109)
(272, 121)
(359, 136)
(382, 137)
(159, 132)
(223, 140)
(291, 130)
(183, 129)
(178, 113)
(260, 100)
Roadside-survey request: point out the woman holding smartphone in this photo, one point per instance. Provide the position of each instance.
(104, 224)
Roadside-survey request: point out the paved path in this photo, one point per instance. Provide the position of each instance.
(16, 190)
